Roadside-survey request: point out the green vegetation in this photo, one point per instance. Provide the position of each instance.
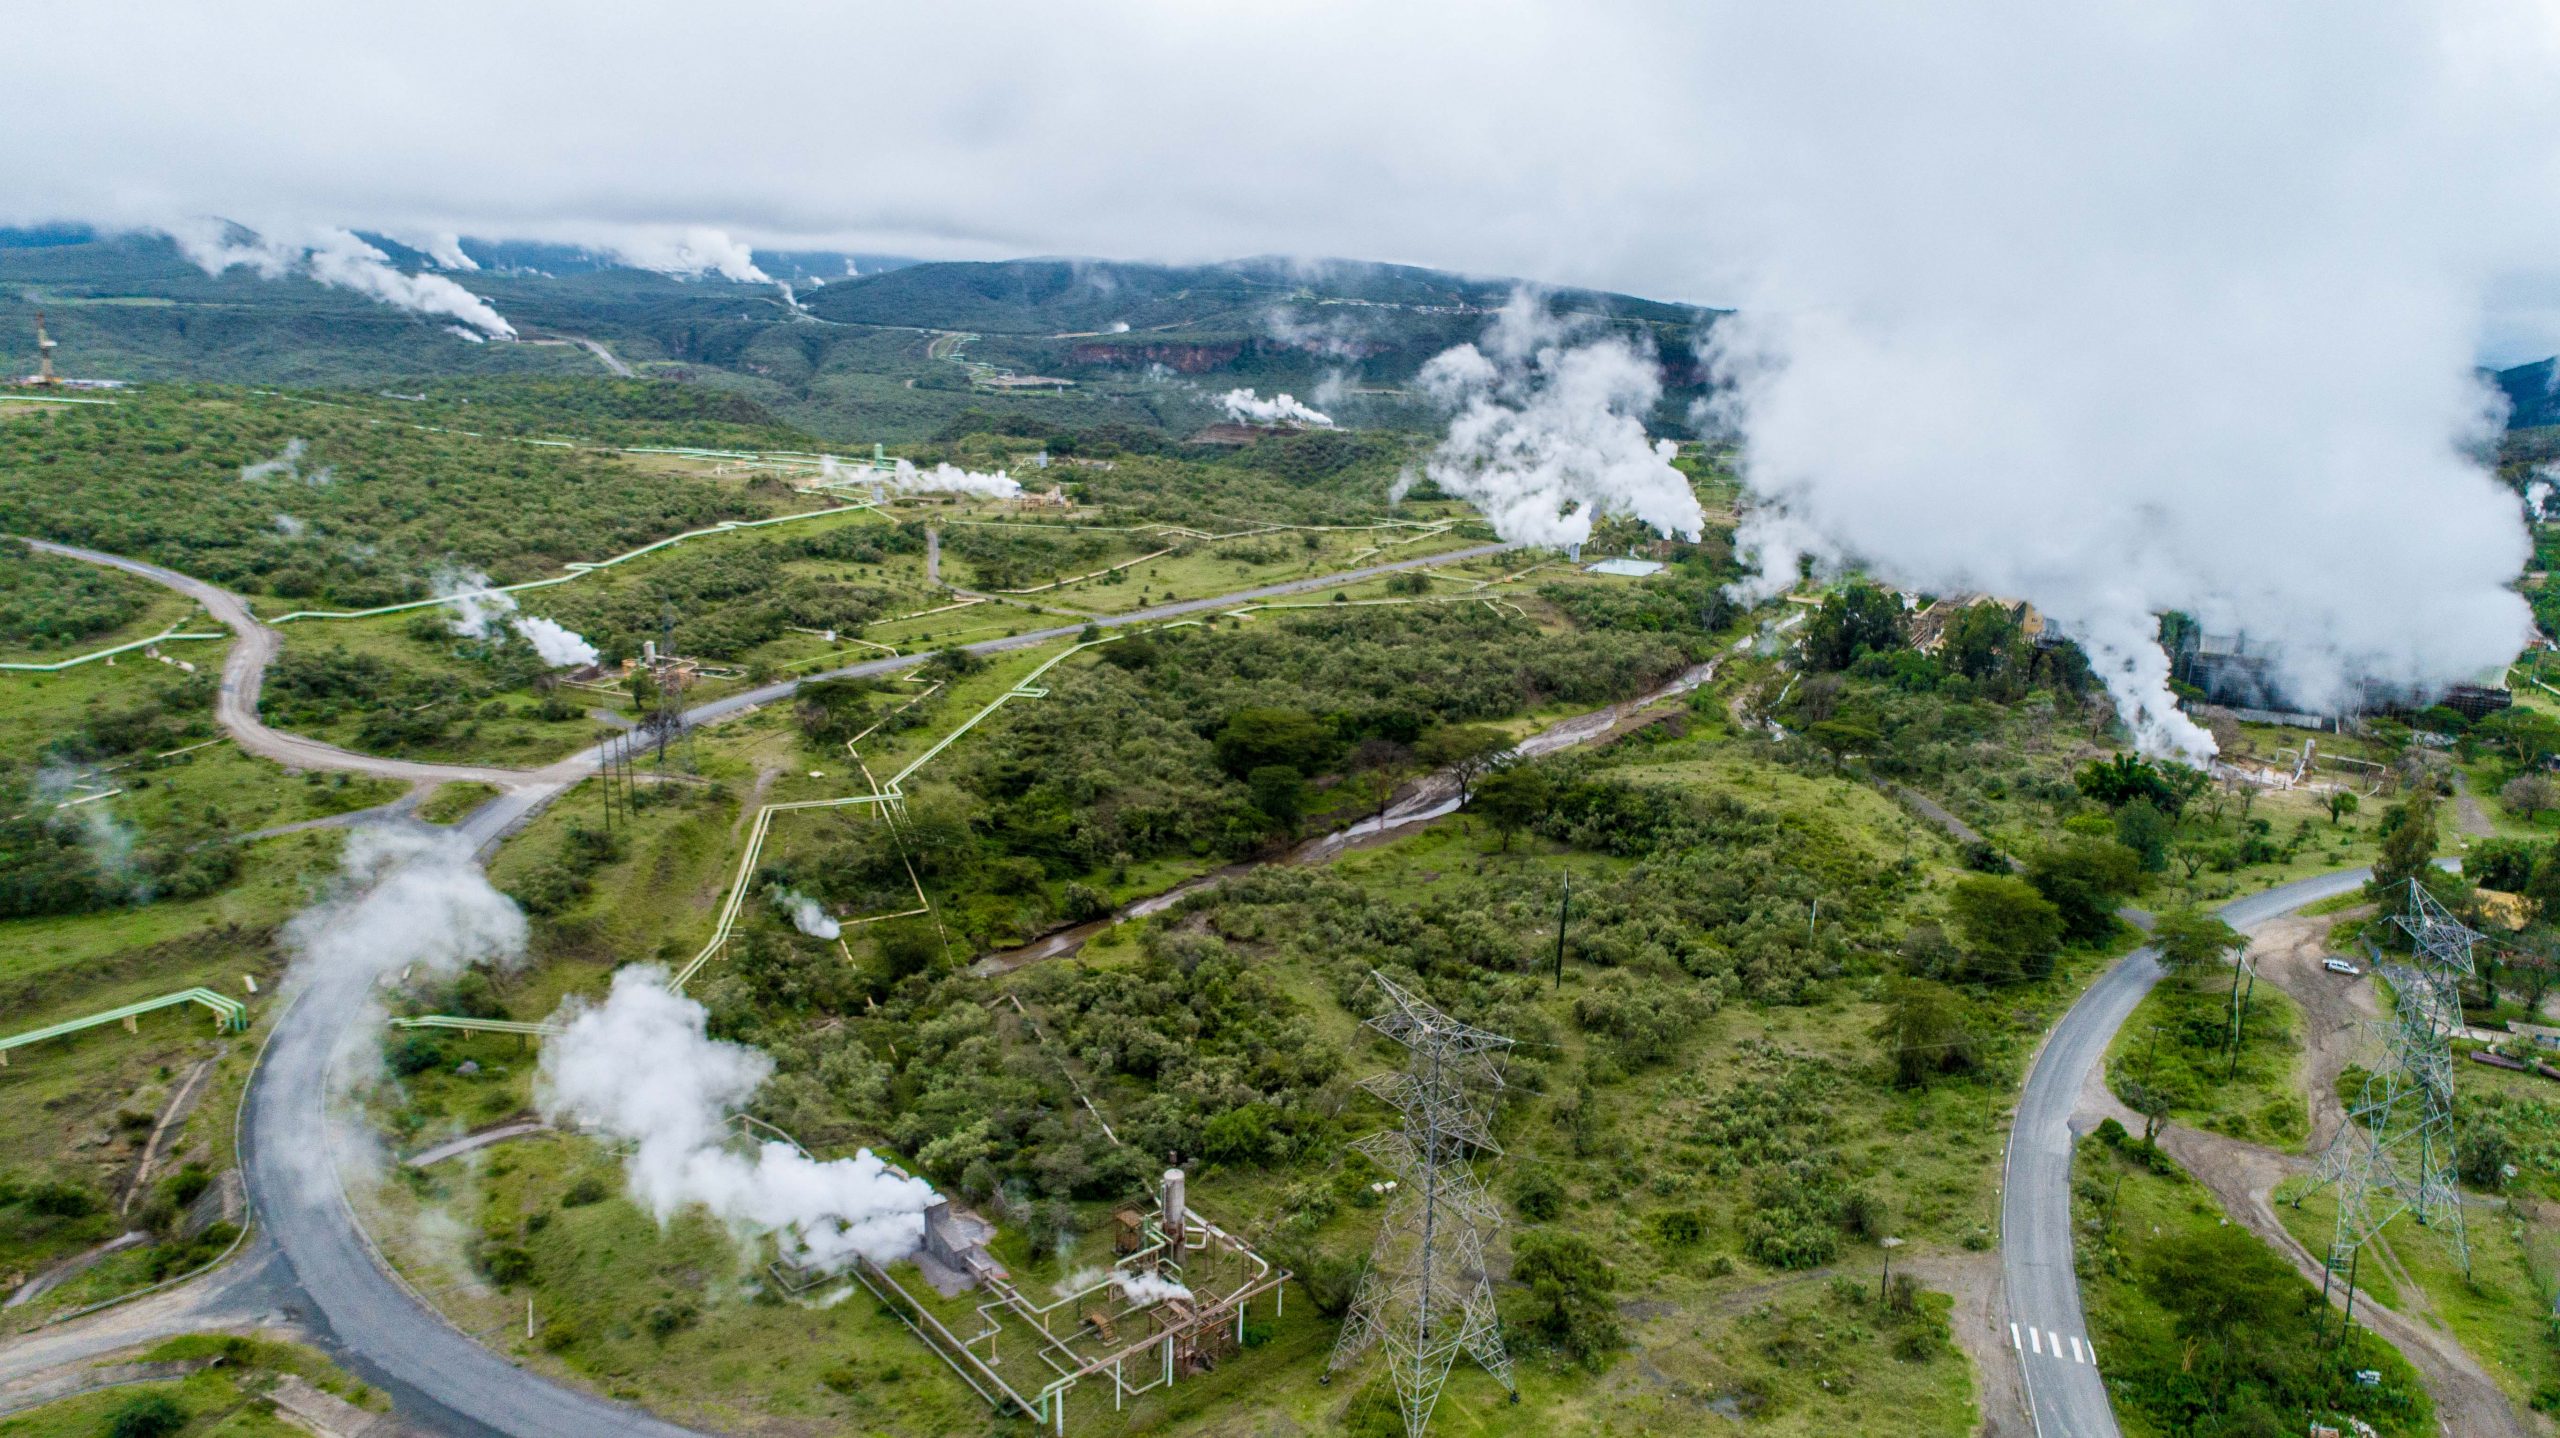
(51, 603)
(2173, 1058)
(2206, 1330)
(450, 802)
(225, 1386)
(2499, 1312)
(322, 505)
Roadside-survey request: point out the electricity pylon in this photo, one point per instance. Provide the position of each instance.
(2395, 1153)
(1425, 1297)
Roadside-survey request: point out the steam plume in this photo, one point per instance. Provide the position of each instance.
(335, 257)
(1246, 407)
(640, 1068)
(479, 611)
(1548, 435)
(1136, 1287)
(941, 479)
(691, 253)
(288, 462)
(407, 898)
(806, 914)
(108, 839)
(2094, 347)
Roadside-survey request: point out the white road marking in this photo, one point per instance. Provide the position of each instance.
(2015, 1341)
(2038, 1340)
(2056, 1340)
(2075, 1351)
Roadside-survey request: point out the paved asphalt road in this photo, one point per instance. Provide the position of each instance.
(2052, 1336)
(441, 1379)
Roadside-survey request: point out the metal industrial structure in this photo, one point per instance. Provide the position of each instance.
(45, 346)
(1426, 1297)
(2395, 1153)
(1172, 1302)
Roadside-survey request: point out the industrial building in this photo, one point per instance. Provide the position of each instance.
(2241, 674)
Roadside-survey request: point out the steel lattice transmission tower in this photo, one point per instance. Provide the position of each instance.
(1425, 1297)
(2395, 1153)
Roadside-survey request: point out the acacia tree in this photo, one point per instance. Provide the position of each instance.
(2408, 845)
(1513, 798)
(1467, 751)
(2340, 803)
(1375, 767)
(2191, 939)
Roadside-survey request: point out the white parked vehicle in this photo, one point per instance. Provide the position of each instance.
(2341, 966)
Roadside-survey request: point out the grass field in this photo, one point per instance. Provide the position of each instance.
(77, 1110)
(2175, 1043)
(2500, 1313)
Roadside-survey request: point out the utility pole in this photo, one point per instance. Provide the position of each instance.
(2240, 1014)
(1562, 911)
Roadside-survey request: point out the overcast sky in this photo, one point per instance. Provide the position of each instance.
(1632, 146)
(2119, 307)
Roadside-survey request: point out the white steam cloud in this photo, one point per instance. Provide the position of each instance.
(335, 257)
(287, 464)
(2537, 498)
(640, 1068)
(1548, 435)
(480, 612)
(290, 527)
(74, 795)
(806, 914)
(2101, 319)
(1245, 407)
(1135, 1287)
(407, 898)
(941, 479)
(691, 253)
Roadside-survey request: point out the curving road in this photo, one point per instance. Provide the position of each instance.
(236, 706)
(2065, 1395)
(312, 1264)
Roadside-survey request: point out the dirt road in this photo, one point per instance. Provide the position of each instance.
(236, 706)
(2244, 1176)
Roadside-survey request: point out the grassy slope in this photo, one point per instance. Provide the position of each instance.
(2261, 1100)
(2128, 1210)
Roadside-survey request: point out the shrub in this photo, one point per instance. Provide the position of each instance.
(1569, 1286)
(152, 1415)
(1537, 1193)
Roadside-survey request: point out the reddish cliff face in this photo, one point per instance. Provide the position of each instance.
(1180, 358)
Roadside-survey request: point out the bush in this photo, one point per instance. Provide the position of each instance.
(413, 1054)
(152, 1415)
(1569, 1286)
(1681, 1227)
(590, 1188)
(1537, 1193)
